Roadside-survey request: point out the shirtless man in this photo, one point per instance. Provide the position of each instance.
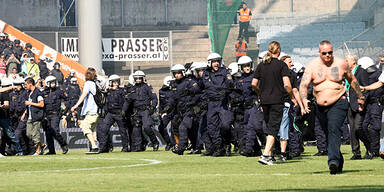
(326, 73)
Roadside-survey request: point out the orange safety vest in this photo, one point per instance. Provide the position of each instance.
(244, 15)
(241, 50)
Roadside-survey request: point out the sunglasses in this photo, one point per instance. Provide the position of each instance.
(325, 53)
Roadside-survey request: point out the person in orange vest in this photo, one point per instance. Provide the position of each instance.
(244, 18)
(241, 48)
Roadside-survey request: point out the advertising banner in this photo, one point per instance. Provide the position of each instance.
(123, 49)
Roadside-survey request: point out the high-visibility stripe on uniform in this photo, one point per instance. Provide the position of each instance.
(244, 15)
(241, 50)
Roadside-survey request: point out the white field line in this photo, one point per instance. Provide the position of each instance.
(151, 162)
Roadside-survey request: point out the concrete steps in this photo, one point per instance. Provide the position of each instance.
(229, 54)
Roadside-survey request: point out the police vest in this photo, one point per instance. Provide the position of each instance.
(244, 15)
(241, 49)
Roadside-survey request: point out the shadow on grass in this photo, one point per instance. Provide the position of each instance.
(344, 171)
(364, 188)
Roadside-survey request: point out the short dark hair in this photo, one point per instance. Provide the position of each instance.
(283, 58)
(30, 80)
(325, 42)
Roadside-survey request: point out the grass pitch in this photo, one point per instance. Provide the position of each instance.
(165, 171)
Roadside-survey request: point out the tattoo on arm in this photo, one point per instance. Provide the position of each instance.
(335, 72)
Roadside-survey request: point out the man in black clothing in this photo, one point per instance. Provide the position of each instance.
(58, 74)
(271, 80)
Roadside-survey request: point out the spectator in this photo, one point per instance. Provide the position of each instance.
(8, 51)
(28, 50)
(244, 18)
(33, 69)
(13, 74)
(18, 49)
(3, 42)
(3, 67)
(12, 62)
(43, 68)
(380, 63)
(57, 73)
(241, 48)
(22, 75)
(270, 80)
(89, 110)
(24, 60)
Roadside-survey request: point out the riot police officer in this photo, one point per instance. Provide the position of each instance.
(4, 119)
(144, 102)
(114, 113)
(53, 96)
(253, 116)
(183, 90)
(164, 96)
(374, 108)
(199, 128)
(67, 80)
(16, 109)
(217, 80)
(236, 102)
(72, 92)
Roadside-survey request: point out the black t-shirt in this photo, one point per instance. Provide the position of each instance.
(270, 76)
(293, 80)
(4, 112)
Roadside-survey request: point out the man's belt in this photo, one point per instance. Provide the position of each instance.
(52, 112)
(115, 111)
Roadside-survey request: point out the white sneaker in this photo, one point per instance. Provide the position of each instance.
(1, 155)
(267, 160)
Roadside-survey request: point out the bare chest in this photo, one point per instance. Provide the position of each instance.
(323, 73)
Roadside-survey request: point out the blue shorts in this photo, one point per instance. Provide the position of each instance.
(284, 126)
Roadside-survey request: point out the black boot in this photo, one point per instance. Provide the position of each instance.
(219, 151)
(177, 150)
(168, 146)
(228, 150)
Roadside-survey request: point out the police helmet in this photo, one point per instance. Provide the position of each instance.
(178, 68)
(245, 60)
(167, 80)
(298, 67)
(113, 78)
(214, 57)
(5, 82)
(28, 45)
(16, 41)
(2, 35)
(73, 79)
(49, 80)
(198, 66)
(56, 65)
(72, 72)
(5, 34)
(139, 75)
(365, 62)
(234, 69)
(131, 80)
